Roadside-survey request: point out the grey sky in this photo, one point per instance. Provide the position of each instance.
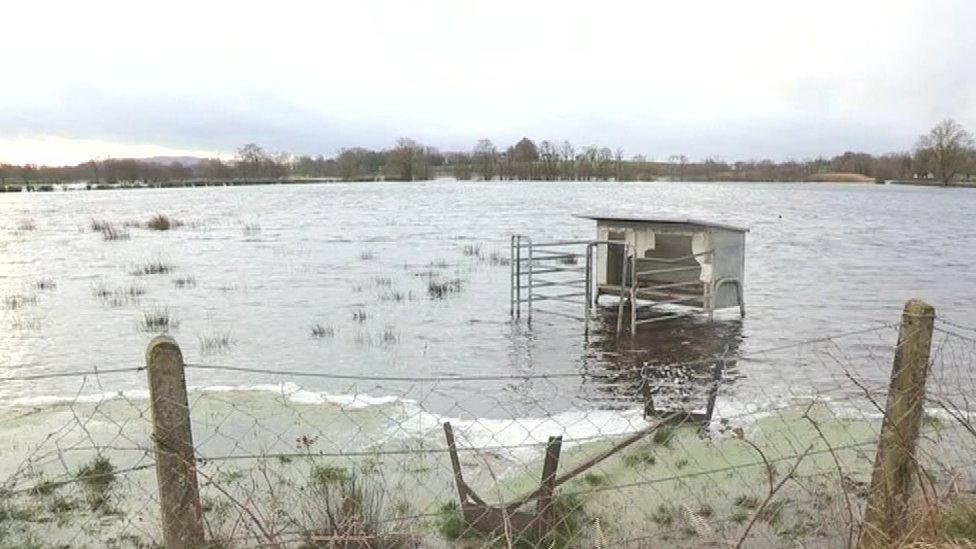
(736, 80)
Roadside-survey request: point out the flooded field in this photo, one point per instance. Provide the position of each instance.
(342, 278)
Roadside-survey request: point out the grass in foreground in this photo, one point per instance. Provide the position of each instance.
(568, 518)
(98, 477)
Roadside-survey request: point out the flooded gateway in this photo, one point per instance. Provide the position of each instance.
(333, 329)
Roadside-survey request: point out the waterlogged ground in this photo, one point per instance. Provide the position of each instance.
(410, 281)
(679, 486)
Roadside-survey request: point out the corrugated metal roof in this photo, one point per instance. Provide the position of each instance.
(650, 218)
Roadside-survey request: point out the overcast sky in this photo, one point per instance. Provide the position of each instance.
(742, 79)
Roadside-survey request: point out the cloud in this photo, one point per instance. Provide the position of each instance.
(749, 79)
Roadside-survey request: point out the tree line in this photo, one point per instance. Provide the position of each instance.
(944, 154)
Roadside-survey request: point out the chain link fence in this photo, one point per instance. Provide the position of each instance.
(728, 451)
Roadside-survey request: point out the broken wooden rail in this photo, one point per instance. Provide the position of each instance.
(506, 516)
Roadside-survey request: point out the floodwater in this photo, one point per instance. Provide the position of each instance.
(267, 264)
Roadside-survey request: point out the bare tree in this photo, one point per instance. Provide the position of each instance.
(485, 156)
(945, 149)
(249, 158)
(549, 156)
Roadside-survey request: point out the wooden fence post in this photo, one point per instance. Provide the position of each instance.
(176, 472)
(886, 512)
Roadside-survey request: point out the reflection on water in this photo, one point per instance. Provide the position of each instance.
(671, 366)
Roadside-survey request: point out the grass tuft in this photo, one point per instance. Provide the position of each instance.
(472, 250)
(395, 296)
(663, 436)
(97, 476)
(349, 507)
(320, 331)
(496, 258)
(567, 513)
(157, 320)
(664, 515)
(745, 501)
(958, 520)
(26, 225)
(215, 343)
(160, 222)
(185, 282)
(327, 475)
(442, 289)
(640, 457)
(117, 297)
(46, 283)
(359, 315)
(109, 230)
(14, 302)
(155, 266)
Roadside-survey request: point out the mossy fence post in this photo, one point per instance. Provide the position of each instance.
(886, 512)
(176, 472)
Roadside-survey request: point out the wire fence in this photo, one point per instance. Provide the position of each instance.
(732, 450)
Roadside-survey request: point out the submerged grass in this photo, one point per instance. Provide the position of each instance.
(185, 282)
(389, 336)
(472, 250)
(45, 283)
(155, 266)
(396, 296)
(119, 296)
(442, 289)
(498, 259)
(14, 302)
(215, 343)
(157, 320)
(109, 230)
(160, 222)
(320, 331)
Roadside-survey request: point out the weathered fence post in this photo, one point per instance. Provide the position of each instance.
(176, 471)
(886, 513)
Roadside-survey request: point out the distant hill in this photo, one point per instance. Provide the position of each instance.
(188, 161)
